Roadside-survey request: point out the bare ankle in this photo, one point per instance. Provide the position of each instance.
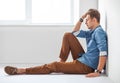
(62, 60)
(21, 71)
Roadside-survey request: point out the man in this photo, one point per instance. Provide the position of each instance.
(90, 63)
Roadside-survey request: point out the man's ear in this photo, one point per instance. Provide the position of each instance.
(94, 19)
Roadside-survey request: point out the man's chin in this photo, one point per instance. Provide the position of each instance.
(88, 27)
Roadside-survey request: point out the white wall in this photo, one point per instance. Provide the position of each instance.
(111, 8)
(113, 17)
(35, 44)
(30, 44)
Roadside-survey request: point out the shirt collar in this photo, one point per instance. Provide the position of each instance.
(92, 30)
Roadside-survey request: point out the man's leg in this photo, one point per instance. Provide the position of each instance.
(74, 67)
(70, 43)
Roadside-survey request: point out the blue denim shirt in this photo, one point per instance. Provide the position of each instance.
(96, 46)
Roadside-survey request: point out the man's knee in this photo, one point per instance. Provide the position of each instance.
(68, 34)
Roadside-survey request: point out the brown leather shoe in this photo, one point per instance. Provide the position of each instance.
(10, 70)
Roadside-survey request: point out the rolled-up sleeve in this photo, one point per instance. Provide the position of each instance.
(101, 40)
(80, 33)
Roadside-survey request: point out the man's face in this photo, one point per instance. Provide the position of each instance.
(89, 22)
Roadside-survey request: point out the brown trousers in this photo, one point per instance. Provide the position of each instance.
(70, 43)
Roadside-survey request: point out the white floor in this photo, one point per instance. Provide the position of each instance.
(51, 78)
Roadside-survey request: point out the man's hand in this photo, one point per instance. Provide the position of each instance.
(95, 74)
(84, 16)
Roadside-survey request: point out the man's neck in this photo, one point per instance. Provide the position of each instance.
(95, 26)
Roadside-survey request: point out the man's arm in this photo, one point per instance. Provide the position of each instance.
(101, 64)
(78, 25)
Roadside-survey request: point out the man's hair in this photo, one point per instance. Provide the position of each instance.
(94, 14)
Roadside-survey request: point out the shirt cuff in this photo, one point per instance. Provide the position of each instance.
(103, 53)
(76, 33)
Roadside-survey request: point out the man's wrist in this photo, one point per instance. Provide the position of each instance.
(98, 71)
(81, 19)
